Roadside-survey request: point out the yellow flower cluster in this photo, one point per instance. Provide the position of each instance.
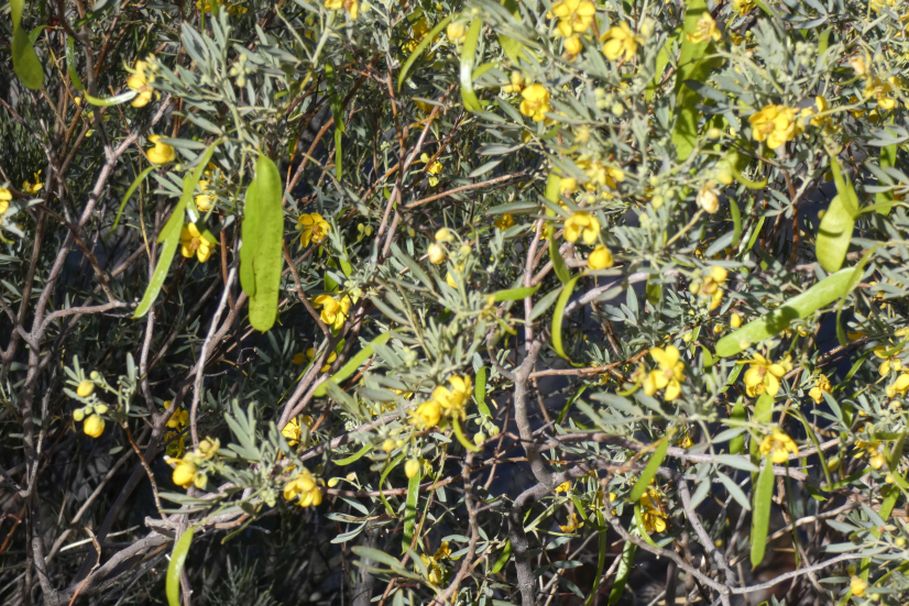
(600, 258)
(899, 387)
(575, 18)
(653, 511)
(444, 403)
(334, 311)
(6, 196)
(304, 488)
(188, 469)
(705, 30)
(821, 386)
(313, 228)
(778, 446)
(90, 415)
(871, 449)
(582, 226)
(775, 124)
(668, 375)
(205, 199)
(33, 187)
(619, 42)
(710, 285)
(535, 102)
(141, 76)
(435, 574)
(194, 243)
(174, 437)
(161, 152)
(351, 7)
(763, 375)
(433, 169)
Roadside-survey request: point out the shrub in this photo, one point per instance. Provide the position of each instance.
(495, 302)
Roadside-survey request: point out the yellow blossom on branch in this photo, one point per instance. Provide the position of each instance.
(304, 489)
(821, 386)
(196, 243)
(313, 228)
(778, 446)
(141, 76)
(668, 375)
(710, 285)
(620, 42)
(351, 7)
(161, 152)
(653, 511)
(427, 415)
(575, 16)
(775, 124)
(899, 387)
(535, 102)
(334, 311)
(600, 258)
(6, 196)
(763, 376)
(584, 226)
(93, 426)
(705, 30)
(292, 432)
(33, 187)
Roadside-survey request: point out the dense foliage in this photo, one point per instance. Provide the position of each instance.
(335, 301)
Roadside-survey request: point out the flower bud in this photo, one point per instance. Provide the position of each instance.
(93, 426)
(411, 468)
(85, 388)
(436, 254)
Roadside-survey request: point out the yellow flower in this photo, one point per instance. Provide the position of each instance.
(775, 124)
(313, 228)
(735, 320)
(872, 450)
(412, 468)
(653, 511)
(599, 258)
(573, 523)
(195, 243)
(161, 153)
(204, 200)
(582, 225)
(743, 7)
(292, 432)
(707, 198)
(85, 388)
(208, 448)
(6, 196)
(427, 415)
(563, 487)
(33, 188)
(858, 586)
(456, 31)
(184, 473)
(573, 46)
(351, 7)
(452, 402)
(705, 30)
(891, 360)
(575, 16)
(821, 386)
(180, 417)
(436, 253)
(433, 168)
(334, 311)
(763, 376)
(93, 426)
(141, 76)
(881, 91)
(619, 41)
(669, 374)
(899, 387)
(515, 83)
(444, 235)
(710, 285)
(504, 221)
(535, 102)
(304, 488)
(778, 445)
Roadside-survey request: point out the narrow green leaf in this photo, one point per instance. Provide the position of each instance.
(650, 470)
(129, 192)
(110, 101)
(557, 314)
(834, 235)
(26, 64)
(503, 558)
(760, 514)
(514, 294)
(623, 572)
(175, 567)
(170, 233)
(883, 201)
(344, 461)
(418, 50)
(468, 59)
(262, 232)
(410, 509)
(736, 215)
(380, 557)
(351, 366)
(558, 261)
(801, 306)
(15, 8)
(664, 55)
(71, 64)
(479, 392)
